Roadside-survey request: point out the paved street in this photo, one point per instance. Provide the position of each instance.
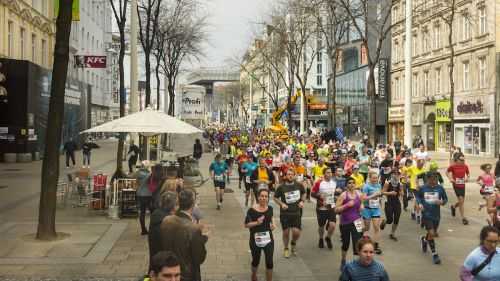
(98, 247)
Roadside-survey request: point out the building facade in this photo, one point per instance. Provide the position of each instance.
(474, 75)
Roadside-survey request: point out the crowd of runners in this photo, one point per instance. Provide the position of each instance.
(358, 190)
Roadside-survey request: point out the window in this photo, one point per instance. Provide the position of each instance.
(33, 47)
(44, 8)
(482, 72)
(426, 83)
(466, 77)
(44, 52)
(482, 20)
(319, 80)
(319, 57)
(414, 85)
(10, 39)
(466, 32)
(426, 42)
(438, 80)
(319, 68)
(396, 89)
(22, 33)
(415, 45)
(437, 37)
(395, 14)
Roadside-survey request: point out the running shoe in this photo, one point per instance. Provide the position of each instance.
(378, 251)
(419, 220)
(392, 237)
(453, 211)
(436, 259)
(321, 243)
(218, 207)
(423, 244)
(465, 221)
(329, 243)
(413, 215)
(382, 224)
(294, 250)
(286, 253)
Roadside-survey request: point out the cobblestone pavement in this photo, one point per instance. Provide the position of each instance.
(228, 256)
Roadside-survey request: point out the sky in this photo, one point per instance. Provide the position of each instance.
(232, 24)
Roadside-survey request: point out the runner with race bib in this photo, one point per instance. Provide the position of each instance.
(371, 212)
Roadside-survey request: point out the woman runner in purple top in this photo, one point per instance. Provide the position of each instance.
(351, 224)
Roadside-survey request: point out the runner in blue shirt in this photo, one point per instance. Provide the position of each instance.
(430, 197)
(248, 168)
(218, 171)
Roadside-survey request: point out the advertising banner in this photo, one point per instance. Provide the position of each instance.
(443, 111)
(193, 105)
(90, 61)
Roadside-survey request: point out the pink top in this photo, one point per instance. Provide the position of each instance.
(487, 179)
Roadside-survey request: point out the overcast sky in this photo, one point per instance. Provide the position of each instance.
(232, 24)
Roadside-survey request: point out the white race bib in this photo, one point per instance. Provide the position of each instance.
(374, 203)
(431, 197)
(219, 177)
(489, 189)
(387, 170)
(262, 239)
(330, 199)
(460, 180)
(300, 178)
(247, 179)
(262, 186)
(292, 196)
(359, 225)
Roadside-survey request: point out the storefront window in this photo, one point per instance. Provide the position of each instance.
(485, 140)
(459, 138)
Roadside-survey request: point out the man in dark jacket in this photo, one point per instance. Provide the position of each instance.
(69, 148)
(197, 149)
(187, 240)
(168, 202)
(132, 156)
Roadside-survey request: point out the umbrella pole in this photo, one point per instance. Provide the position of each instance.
(148, 149)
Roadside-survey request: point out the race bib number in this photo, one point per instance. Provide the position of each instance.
(330, 199)
(262, 239)
(292, 196)
(300, 178)
(489, 189)
(219, 177)
(420, 182)
(247, 179)
(262, 186)
(359, 225)
(460, 180)
(431, 197)
(387, 170)
(373, 203)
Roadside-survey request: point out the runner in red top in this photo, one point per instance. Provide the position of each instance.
(458, 174)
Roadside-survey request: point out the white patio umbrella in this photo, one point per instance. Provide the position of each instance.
(148, 122)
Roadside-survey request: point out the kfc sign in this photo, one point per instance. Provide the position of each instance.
(90, 61)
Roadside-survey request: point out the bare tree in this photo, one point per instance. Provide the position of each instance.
(333, 24)
(370, 19)
(181, 35)
(148, 11)
(50, 168)
(121, 19)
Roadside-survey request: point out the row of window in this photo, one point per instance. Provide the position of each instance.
(423, 43)
(26, 50)
(428, 84)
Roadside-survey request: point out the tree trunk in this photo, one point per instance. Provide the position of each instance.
(157, 72)
(119, 153)
(289, 110)
(147, 66)
(50, 167)
(334, 98)
(171, 97)
(452, 83)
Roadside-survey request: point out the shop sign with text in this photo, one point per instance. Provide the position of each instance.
(443, 111)
(473, 106)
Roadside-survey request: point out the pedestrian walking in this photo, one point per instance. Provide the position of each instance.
(185, 238)
(483, 263)
(86, 152)
(132, 156)
(259, 220)
(69, 149)
(365, 267)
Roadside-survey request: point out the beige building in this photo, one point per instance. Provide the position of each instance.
(27, 30)
(474, 75)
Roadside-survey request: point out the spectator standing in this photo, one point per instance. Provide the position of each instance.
(86, 149)
(483, 262)
(165, 267)
(185, 238)
(167, 204)
(69, 148)
(197, 149)
(144, 196)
